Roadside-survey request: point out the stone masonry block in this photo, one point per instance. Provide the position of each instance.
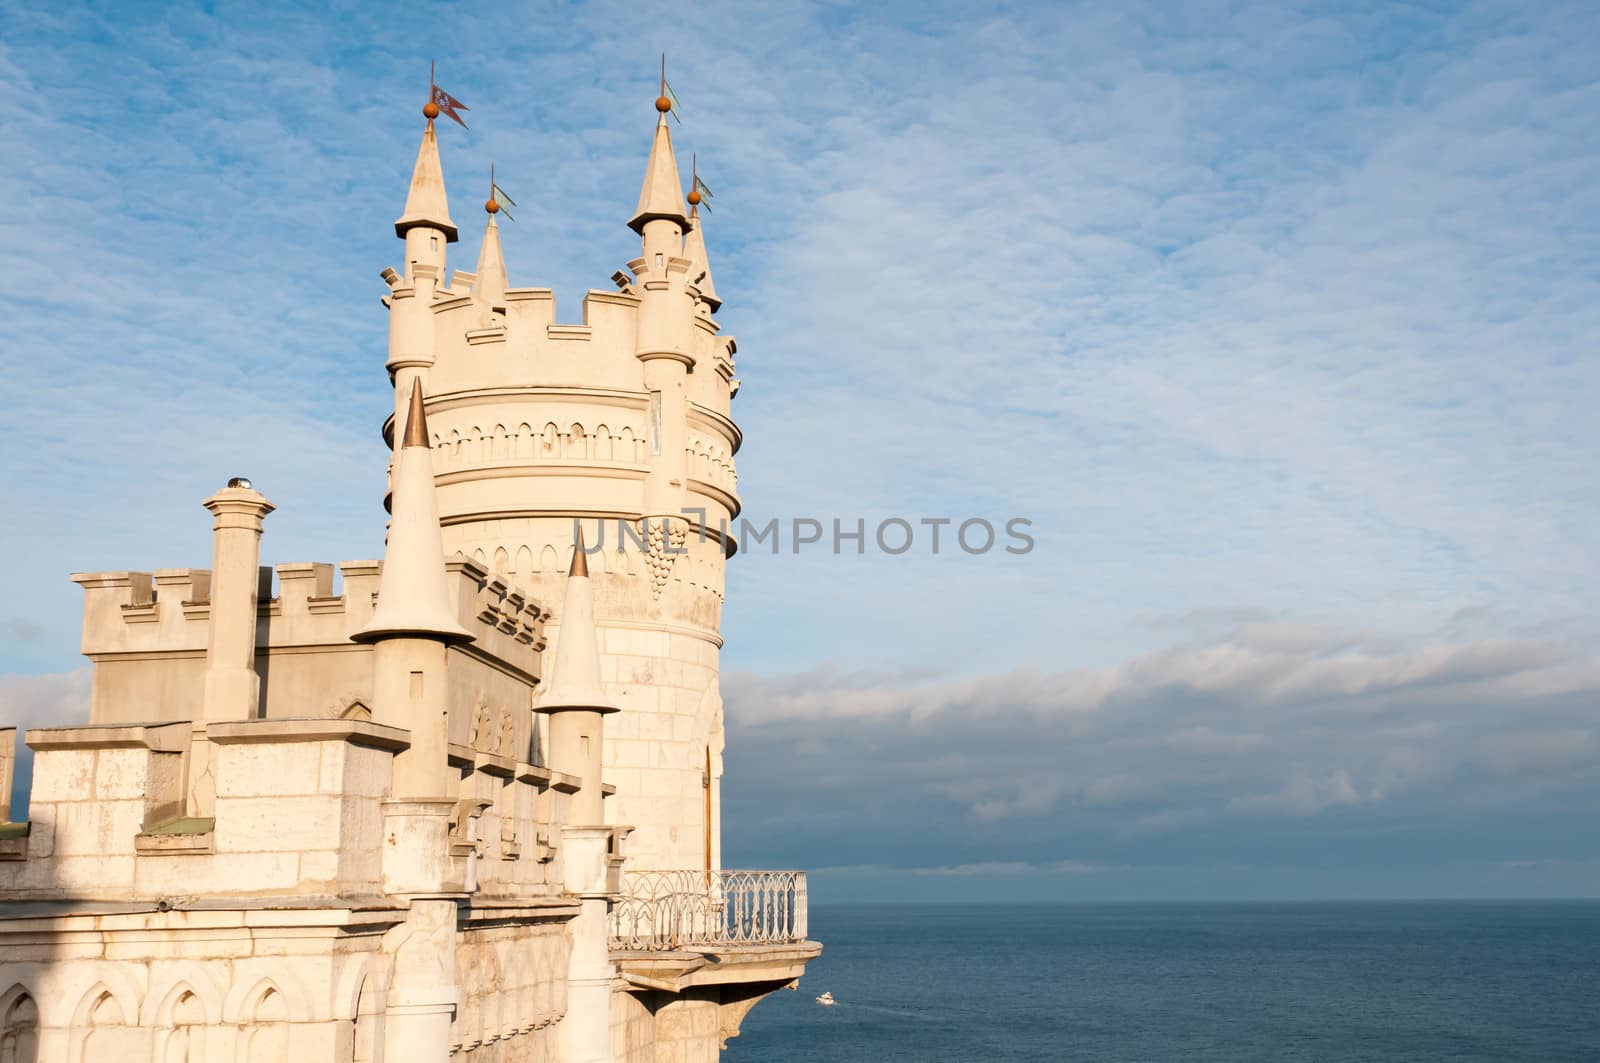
(320, 866)
(122, 773)
(93, 876)
(276, 824)
(63, 775)
(367, 771)
(260, 769)
(101, 828)
(165, 950)
(236, 873)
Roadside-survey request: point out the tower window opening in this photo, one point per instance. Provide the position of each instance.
(660, 260)
(433, 243)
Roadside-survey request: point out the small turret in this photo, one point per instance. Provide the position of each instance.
(413, 593)
(575, 675)
(661, 196)
(694, 249)
(489, 286)
(425, 224)
(576, 700)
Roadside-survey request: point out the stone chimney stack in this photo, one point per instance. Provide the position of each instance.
(232, 688)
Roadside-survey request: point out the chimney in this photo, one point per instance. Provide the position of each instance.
(233, 690)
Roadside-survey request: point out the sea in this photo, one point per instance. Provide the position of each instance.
(1421, 982)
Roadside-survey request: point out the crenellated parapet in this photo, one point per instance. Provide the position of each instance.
(146, 633)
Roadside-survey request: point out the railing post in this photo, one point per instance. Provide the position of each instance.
(800, 901)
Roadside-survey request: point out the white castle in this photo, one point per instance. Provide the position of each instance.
(376, 822)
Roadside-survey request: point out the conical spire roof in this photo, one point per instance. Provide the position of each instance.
(662, 193)
(694, 249)
(575, 676)
(490, 283)
(425, 202)
(414, 592)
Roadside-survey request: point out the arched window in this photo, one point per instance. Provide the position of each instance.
(19, 1027)
(183, 1037)
(105, 1033)
(266, 1037)
(369, 1014)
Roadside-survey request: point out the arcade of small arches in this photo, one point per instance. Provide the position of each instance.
(709, 460)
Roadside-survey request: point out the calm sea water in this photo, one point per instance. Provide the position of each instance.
(1240, 983)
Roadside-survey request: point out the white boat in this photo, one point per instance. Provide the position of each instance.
(826, 1000)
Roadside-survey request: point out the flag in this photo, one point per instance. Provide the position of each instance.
(705, 192)
(500, 197)
(672, 98)
(448, 105)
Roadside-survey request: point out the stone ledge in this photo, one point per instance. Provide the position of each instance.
(533, 773)
(165, 916)
(310, 729)
(176, 837)
(171, 737)
(495, 764)
(14, 840)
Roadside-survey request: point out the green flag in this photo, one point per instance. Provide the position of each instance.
(672, 98)
(504, 200)
(705, 192)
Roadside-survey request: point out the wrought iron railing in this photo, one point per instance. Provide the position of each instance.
(663, 910)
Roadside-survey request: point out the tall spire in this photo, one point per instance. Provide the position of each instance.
(413, 592)
(575, 676)
(426, 204)
(694, 249)
(662, 193)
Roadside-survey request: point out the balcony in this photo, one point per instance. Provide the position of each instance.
(730, 936)
(664, 911)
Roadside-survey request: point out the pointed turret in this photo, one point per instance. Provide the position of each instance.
(662, 193)
(413, 592)
(575, 676)
(426, 205)
(490, 284)
(694, 249)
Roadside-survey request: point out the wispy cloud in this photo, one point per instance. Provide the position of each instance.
(1268, 746)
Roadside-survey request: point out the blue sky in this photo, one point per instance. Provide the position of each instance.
(1276, 320)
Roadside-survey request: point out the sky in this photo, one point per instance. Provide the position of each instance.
(1276, 323)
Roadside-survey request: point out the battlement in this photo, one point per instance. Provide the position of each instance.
(147, 632)
(300, 811)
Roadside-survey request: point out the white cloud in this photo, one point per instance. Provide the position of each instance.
(1249, 745)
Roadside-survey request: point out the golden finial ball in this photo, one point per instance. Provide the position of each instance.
(694, 197)
(491, 206)
(430, 110)
(663, 104)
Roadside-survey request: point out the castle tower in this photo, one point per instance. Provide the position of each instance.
(620, 424)
(352, 781)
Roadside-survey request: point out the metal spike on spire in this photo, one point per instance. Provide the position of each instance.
(661, 196)
(416, 419)
(426, 202)
(580, 560)
(414, 594)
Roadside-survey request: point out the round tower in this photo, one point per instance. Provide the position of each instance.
(621, 424)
